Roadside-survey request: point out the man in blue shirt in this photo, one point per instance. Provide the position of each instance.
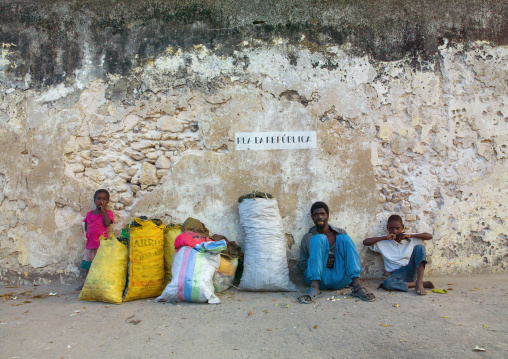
(329, 258)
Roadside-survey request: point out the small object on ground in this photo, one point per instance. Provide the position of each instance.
(310, 295)
(51, 294)
(250, 313)
(446, 317)
(362, 293)
(440, 291)
(133, 321)
(396, 305)
(479, 349)
(385, 325)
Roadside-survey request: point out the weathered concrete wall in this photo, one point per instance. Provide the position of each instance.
(409, 102)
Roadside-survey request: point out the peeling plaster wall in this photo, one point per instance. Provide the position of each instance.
(410, 124)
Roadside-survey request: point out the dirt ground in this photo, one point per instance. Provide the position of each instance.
(36, 324)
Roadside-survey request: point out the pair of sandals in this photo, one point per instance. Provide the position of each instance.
(360, 292)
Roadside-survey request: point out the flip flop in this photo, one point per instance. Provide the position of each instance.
(355, 290)
(310, 295)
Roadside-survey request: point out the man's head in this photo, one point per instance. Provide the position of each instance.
(319, 213)
(395, 224)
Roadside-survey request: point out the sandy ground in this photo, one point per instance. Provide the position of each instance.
(473, 313)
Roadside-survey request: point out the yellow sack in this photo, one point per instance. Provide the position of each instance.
(170, 234)
(106, 279)
(225, 275)
(146, 260)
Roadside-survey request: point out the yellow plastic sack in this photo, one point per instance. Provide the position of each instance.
(146, 260)
(225, 275)
(170, 234)
(106, 279)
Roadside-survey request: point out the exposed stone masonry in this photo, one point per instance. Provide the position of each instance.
(153, 119)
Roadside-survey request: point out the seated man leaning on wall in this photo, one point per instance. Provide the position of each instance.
(329, 258)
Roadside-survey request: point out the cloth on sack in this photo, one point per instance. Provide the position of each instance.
(146, 260)
(193, 270)
(196, 226)
(124, 237)
(106, 279)
(254, 194)
(265, 262)
(136, 221)
(225, 275)
(170, 234)
(189, 239)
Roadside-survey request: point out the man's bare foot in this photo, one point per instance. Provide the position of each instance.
(428, 284)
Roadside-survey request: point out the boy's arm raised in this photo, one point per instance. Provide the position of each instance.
(374, 240)
(422, 236)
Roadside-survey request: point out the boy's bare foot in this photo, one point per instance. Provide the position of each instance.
(419, 287)
(428, 284)
(421, 291)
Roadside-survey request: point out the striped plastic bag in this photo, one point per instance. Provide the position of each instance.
(192, 272)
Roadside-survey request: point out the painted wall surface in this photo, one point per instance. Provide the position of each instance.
(410, 108)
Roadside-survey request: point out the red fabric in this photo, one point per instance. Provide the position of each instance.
(189, 239)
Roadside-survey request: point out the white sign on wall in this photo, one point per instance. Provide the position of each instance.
(292, 140)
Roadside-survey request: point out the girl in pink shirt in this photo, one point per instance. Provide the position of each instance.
(96, 225)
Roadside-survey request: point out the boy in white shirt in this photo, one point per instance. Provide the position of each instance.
(404, 257)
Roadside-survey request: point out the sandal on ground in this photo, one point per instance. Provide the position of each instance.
(362, 293)
(310, 295)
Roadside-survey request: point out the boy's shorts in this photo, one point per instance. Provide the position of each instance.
(88, 258)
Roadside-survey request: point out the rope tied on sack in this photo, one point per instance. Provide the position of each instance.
(255, 194)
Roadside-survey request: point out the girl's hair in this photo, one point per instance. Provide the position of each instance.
(102, 190)
(395, 217)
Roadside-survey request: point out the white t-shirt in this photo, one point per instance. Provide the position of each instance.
(395, 255)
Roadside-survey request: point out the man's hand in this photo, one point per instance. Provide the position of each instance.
(391, 237)
(331, 260)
